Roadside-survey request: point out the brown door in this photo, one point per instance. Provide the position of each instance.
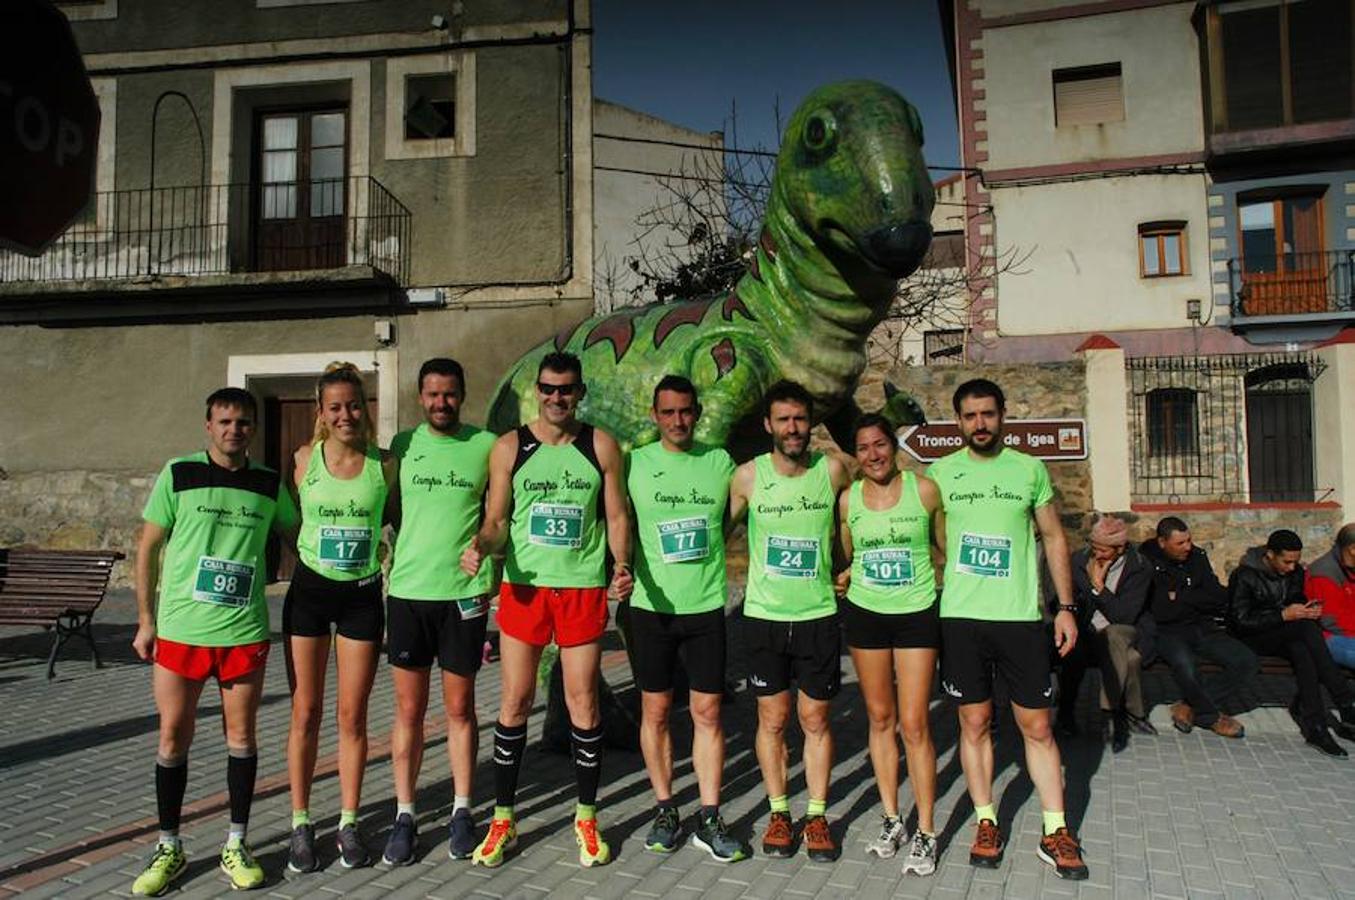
(288, 424)
(300, 191)
(1283, 265)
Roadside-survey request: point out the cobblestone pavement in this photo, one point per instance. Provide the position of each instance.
(1174, 816)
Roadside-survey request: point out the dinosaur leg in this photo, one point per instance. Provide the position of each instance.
(730, 375)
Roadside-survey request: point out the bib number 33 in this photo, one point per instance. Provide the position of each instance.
(555, 525)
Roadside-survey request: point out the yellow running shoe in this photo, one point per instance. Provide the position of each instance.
(502, 837)
(239, 865)
(593, 850)
(167, 863)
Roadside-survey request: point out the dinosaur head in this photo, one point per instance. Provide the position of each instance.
(851, 172)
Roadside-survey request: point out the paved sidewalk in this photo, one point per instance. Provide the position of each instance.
(1173, 816)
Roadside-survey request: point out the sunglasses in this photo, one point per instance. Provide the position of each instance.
(564, 390)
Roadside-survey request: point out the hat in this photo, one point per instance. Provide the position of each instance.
(1110, 531)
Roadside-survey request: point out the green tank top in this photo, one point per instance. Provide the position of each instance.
(341, 518)
(557, 536)
(790, 535)
(679, 500)
(891, 552)
(442, 484)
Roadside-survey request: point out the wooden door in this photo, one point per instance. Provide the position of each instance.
(1279, 436)
(1284, 267)
(300, 191)
(288, 424)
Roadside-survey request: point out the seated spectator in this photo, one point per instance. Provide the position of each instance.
(1110, 587)
(1331, 581)
(1268, 610)
(1184, 600)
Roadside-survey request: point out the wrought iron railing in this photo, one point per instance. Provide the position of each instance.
(1293, 283)
(226, 228)
(1231, 428)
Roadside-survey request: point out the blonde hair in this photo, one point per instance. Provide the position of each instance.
(342, 373)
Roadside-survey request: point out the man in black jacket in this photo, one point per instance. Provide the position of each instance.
(1110, 588)
(1269, 612)
(1184, 599)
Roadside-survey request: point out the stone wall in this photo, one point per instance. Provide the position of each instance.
(75, 510)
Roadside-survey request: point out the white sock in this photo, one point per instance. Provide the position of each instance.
(236, 834)
(402, 808)
(170, 839)
(459, 802)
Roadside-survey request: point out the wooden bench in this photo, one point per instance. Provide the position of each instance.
(1270, 665)
(57, 589)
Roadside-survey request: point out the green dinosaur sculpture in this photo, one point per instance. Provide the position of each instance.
(847, 217)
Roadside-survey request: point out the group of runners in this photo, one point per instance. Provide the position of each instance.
(576, 522)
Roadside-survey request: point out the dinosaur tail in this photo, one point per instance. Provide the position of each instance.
(504, 411)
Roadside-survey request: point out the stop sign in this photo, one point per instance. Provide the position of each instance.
(49, 126)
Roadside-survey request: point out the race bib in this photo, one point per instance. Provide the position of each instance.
(555, 525)
(224, 582)
(887, 567)
(473, 607)
(791, 557)
(343, 547)
(681, 540)
(985, 555)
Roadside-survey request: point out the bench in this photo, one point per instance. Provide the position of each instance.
(57, 589)
(1270, 665)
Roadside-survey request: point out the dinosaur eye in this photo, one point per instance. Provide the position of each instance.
(820, 132)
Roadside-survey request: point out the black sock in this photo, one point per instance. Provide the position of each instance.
(670, 803)
(509, 742)
(171, 779)
(587, 743)
(242, 766)
(709, 812)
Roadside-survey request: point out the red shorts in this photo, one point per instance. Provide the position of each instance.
(200, 663)
(571, 616)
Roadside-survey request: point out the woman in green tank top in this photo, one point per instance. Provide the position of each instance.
(887, 520)
(342, 480)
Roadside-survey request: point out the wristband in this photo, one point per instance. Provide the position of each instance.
(1068, 607)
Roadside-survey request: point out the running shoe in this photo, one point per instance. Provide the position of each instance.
(593, 850)
(301, 849)
(400, 845)
(1062, 851)
(986, 851)
(891, 838)
(711, 836)
(819, 842)
(779, 839)
(502, 837)
(167, 863)
(352, 852)
(664, 833)
(239, 865)
(921, 858)
(461, 843)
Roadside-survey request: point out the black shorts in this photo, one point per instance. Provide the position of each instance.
(316, 606)
(658, 639)
(870, 630)
(810, 652)
(419, 630)
(972, 648)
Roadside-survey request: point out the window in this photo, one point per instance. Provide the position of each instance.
(1173, 428)
(1088, 95)
(1162, 249)
(943, 347)
(430, 107)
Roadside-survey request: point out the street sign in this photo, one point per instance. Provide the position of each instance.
(49, 126)
(1051, 439)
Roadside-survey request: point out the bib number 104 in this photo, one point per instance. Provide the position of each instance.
(985, 556)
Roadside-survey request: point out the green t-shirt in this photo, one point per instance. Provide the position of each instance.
(679, 501)
(891, 552)
(991, 571)
(341, 518)
(212, 578)
(790, 543)
(442, 486)
(557, 536)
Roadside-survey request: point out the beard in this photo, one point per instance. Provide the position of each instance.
(799, 453)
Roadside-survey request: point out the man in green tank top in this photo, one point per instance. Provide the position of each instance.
(433, 609)
(679, 493)
(556, 505)
(791, 627)
(993, 499)
(211, 512)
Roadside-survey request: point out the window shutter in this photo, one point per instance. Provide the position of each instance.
(1083, 100)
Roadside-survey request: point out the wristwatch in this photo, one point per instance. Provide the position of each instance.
(1068, 607)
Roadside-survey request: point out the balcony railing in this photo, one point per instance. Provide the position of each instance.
(1293, 284)
(225, 229)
